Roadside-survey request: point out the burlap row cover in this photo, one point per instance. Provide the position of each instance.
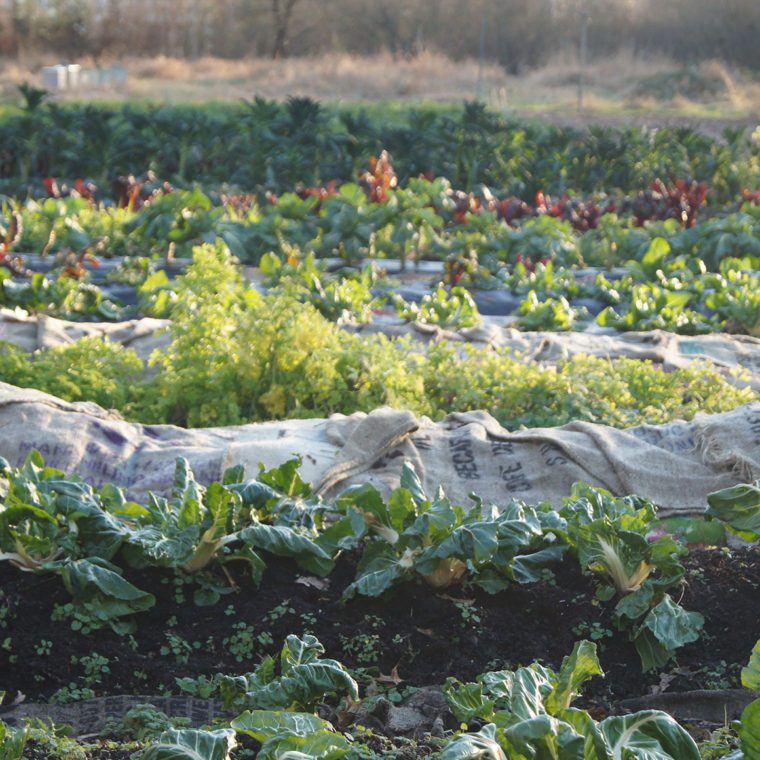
(32, 332)
(674, 465)
(726, 353)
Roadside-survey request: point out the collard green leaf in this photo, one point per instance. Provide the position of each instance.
(285, 479)
(739, 508)
(672, 625)
(648, 735)
(476, 542)
(545, 736)
(467, 701)
(374, 509)
(534, 567)
(322, 745)
(187, 494)
(751, 674)
(346, 533)
(652, 653)
(497, 684)
(287, 542)
(105, 593)
(192, 744)
(233, 689)
(304, 681)
(596, 747)
(299, 651)
(482, 745)
(304, 686)
(255, 494)
(577, 668)
(531, 688)
(410, 481)
(749, 731)
(379, 569)
(264, 724)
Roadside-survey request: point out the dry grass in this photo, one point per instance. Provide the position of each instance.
(621, 85)
(334, 77)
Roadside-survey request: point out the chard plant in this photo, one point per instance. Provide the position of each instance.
(51, 524)
(610, 538)
(442, 544)
(198, 528)
(529, 714)
(300, 680)
(749, 727)
(452, 309)
(739, 508)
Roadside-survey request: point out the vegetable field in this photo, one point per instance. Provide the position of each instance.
(373, 351)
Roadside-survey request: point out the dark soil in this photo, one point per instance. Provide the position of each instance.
(425, 635)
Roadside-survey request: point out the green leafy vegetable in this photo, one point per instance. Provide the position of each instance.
(192, 744)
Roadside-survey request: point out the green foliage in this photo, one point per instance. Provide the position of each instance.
(90, 369)
(192, 744)
(738, 507)
(282, 732)
(554, 314)
(278, 145)
(64, 297)
(49, 523)
(144, 722)
(529, 714)
(610, 538)
(749, 726)
(236, 356)
(453, 311)
(304, 679)
(440, 543)
(12, 742)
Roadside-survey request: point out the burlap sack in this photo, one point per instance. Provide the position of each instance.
(102, 448)
(727, 353)
(675, 465)
(32, 332)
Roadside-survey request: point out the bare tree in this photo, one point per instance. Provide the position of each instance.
(282, 12)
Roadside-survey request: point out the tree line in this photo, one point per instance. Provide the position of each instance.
(516, 33)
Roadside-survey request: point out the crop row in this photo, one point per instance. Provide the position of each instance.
(516, 714)
(236, 356)
(659, 292)
(57, 525)
(276, 146)
(422, 220)
(51, 523)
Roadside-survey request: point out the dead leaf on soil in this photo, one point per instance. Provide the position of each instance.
(455, 599)
(394, 679)
(667, 678)
(321, 584)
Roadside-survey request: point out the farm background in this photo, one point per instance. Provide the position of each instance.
(375, 384)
